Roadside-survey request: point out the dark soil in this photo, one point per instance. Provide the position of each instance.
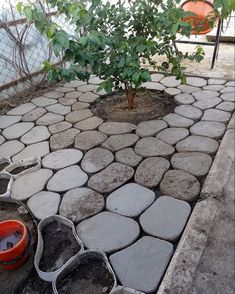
(147, 105)
(90, 277)
(19, 169)
(3, 185)
(35, 285)
(59, 246)
(25, 96)
(3, 165)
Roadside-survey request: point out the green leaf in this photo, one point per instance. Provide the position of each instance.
(175, 28)
(28, 12)
(19, 7)
(135, 77)
(46, 65)
(62, 39)
(51, 30)
(146, 76)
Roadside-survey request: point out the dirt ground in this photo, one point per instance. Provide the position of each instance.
(147, 105)
(24, 96)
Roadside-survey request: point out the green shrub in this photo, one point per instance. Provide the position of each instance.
(117, 40)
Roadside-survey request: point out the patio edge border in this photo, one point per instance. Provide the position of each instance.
(182, 268)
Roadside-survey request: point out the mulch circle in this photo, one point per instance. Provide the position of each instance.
(147, 105)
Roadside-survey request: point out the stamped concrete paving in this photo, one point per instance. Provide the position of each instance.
(107, 176)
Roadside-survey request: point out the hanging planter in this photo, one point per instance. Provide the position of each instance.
(90, 271)
(6, 182)
(24, 166)
(58, 244)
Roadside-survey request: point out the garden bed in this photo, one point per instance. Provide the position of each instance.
(147, 105)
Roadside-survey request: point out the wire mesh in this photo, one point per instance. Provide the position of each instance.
(23, 49)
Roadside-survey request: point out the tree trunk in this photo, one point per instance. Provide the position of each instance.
(130, 96)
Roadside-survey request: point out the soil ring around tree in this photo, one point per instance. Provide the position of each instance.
(148, 105)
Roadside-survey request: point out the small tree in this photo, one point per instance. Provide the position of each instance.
(117, 40)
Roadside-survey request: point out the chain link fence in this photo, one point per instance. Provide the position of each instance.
(22, 50)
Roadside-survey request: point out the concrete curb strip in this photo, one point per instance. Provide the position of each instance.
(220, 169)
(180, 273)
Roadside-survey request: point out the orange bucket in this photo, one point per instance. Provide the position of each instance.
(204, 12)
(14, 243)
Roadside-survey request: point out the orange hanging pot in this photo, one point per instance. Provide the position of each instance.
(14, 243)
(203, 13)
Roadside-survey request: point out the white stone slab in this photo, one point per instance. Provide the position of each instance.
(22, 109)
(81, 203)
(165, 218)
(112, 177)
(150, 171)
(62, 158)
(130, 200)
(181, 185)
(44, 204)
(116, 128)
(8, 120)
(108, 231)
(17, 130)
(149, 146)
(39, 149)
(196, 163)
(141, 266)
(96, 159)
(67, 178)
(10, 148)
(35, 135)
(150, 128)
(30, 184)
(172, 135)
(197, 144)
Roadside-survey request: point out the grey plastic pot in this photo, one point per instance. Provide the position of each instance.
(49, 276)
(124, 290)
(6, 193)
(24, 163)
(93, 253)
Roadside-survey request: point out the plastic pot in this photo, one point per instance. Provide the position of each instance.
(203, 13)
(24, 163)
(79, 259)
(14, 257)
(48, 276)
(7, 192)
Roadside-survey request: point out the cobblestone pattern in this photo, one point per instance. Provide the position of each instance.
(118, 181)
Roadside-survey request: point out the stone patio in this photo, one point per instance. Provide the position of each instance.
(129, 188)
